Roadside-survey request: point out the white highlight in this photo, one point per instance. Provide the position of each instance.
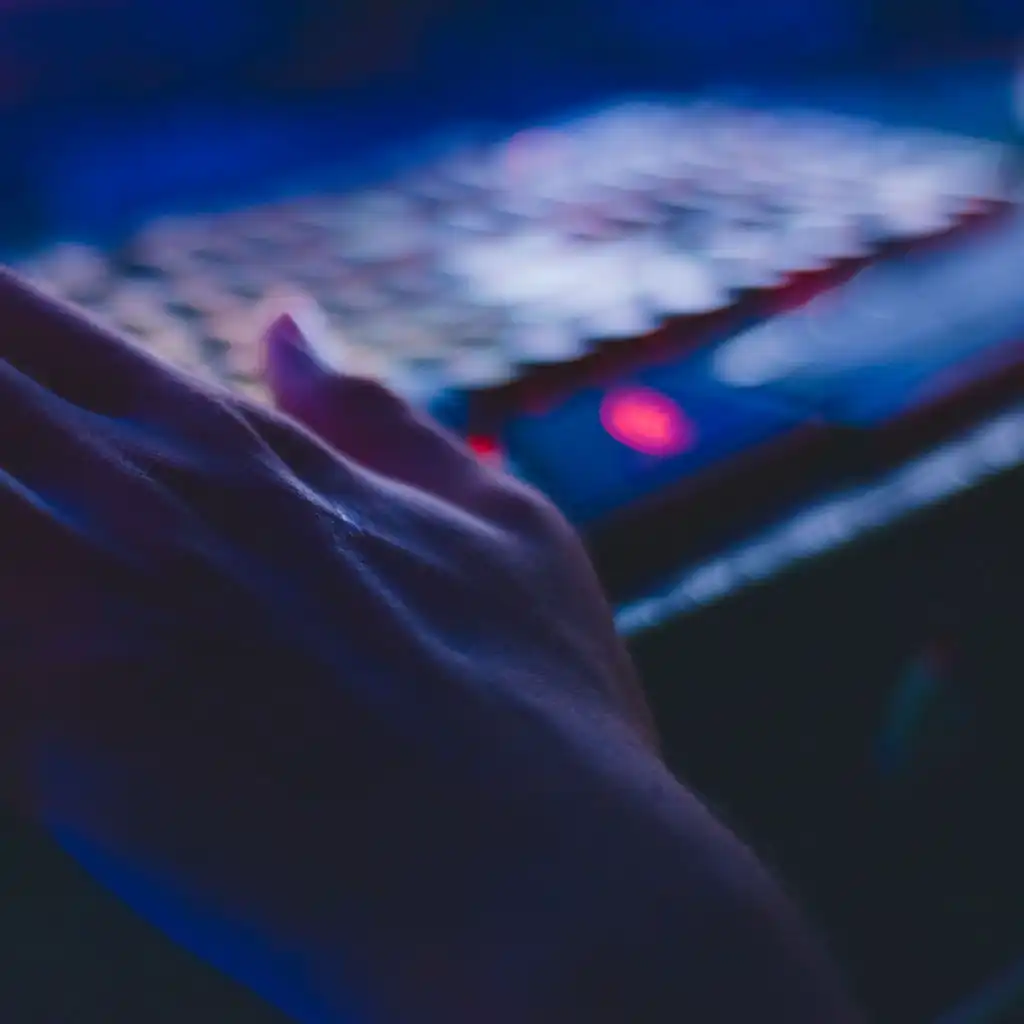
(989, 449)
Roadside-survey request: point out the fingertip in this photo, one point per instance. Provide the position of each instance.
(284, 343)
(315, 381)
(298, 351)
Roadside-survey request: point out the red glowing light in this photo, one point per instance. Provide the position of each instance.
(485, 448)
(647, 421)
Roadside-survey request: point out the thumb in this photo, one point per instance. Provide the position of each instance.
(359, 417)
(302, 364)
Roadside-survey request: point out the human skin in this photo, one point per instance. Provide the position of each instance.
(341, 708)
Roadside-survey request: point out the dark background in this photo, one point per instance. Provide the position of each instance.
(61, 49)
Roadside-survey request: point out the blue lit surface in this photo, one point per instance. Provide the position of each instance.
(898, 334)
(725, 422)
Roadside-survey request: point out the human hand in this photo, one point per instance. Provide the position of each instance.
(348, 719)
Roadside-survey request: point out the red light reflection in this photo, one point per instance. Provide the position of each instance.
(647, 421)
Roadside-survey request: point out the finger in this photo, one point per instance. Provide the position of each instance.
(361, 417)
(62, 349)
(91, 367)
(64, 464)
